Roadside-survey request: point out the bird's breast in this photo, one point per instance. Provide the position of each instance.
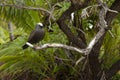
(36, 36)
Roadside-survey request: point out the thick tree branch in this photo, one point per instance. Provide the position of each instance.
(110, 15)
(97, 41)
(113, 70)
(75, 5)
(95, 45)
(56, 45)
(109, 18)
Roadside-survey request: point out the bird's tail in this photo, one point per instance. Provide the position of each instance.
(25, 46)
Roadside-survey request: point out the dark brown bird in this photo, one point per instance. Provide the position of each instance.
(36, 35)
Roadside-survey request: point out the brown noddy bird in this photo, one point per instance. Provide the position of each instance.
(36, 35)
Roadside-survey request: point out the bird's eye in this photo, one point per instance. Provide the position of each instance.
(40, 26)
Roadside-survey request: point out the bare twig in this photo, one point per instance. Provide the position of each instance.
(112, 11)
(103, 76)
(79, 60)
(51, 13)
(61, 59)
(26, 7)
(48, 2)
(30, 8)
(85, 13)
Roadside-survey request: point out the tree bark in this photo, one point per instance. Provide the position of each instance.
(93, 67)
(66, 15)
(113, 70)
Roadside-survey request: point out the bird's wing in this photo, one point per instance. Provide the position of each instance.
(36, 36)
(32, 34)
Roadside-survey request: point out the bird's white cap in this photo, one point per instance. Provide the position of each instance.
(40, 24)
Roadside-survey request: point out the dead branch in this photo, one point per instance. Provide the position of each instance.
(56, 45)
(30, 8)
(105, 19)
(25, 7)
(96, 43)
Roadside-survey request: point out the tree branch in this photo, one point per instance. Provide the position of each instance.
(76, 5)
(25, 7)
(57, 45)
(96, 43)
(31, 8)
(113, 70)
(110, 15)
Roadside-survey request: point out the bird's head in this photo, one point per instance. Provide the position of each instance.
(39, 26)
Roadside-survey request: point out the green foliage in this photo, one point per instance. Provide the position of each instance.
(111, 46)
(16, 61)
(63, 6)
(116, 77)
(109, 2)
(21, 17)
(4, 35)
(51, 62)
